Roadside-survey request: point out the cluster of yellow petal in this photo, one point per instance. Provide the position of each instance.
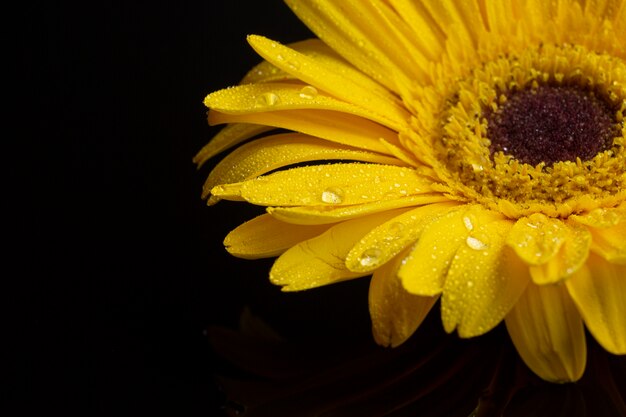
(381, 174)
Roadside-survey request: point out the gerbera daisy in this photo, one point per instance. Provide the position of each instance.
(470, 152)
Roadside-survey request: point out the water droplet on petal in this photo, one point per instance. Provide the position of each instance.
(370, 257)
(268, 99)
(476, 243)
(333, 195)
(309, 92)
(396, 231)
(294, 65)
(468, 221)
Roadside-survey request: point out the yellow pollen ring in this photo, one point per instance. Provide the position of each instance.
(460, 147)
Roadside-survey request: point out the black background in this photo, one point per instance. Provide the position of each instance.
(120, 264)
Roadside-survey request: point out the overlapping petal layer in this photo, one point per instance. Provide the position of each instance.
(378, 114)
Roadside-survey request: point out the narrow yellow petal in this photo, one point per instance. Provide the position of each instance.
(332, 185)
(228, 137)
(500, 14)
(390, 34)
(619, 21)
(601, 8)
(571, 255)
(264, 237)
(327, 79)
(425, 269)
(273, 152)
(485, 280)
(403, 155)
(537, 238)
(453, 16)
(258, 98)
(395, 313)
(610, 242)
(548, 333)
(603, 217)
(266, 72)
(355, 34)
(599, 291)
(331, 214)
(327, 58)
(428, 37)
(390, 238)
(608, 230)
(338, 127)
(321, 260)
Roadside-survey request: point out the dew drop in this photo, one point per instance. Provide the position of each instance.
(397, 229)
(468, 221)
(294, 65)
(332, 195)
(370, 257)
(309, 92)
(268, 99)
(475, 243)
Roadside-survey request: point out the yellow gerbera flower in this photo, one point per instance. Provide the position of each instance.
(476, 155)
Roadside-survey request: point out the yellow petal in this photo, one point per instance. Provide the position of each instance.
(264, 237)
(326, 57)
(321, 260)
(485, 280)
(326, 79)
(620, 23)
(537, 238)
(387, 240)
(425, 269)
(272, 152)
(331, 214)
(256, 98)
(602, 8)
(333, 185)
(401, 154)
(266, 72)
(395, 313)
(599, 291)
(548, 333)
(568, 260)
(500, 14)
(608, 230)
(229, 136)
(355, 32)
(428, 37)
(462, 18)
(334, 126)
(610, 243)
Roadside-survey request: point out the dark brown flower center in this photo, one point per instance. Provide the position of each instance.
(550, 124)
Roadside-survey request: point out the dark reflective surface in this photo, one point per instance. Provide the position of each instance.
(127, 302)
(432, 374)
